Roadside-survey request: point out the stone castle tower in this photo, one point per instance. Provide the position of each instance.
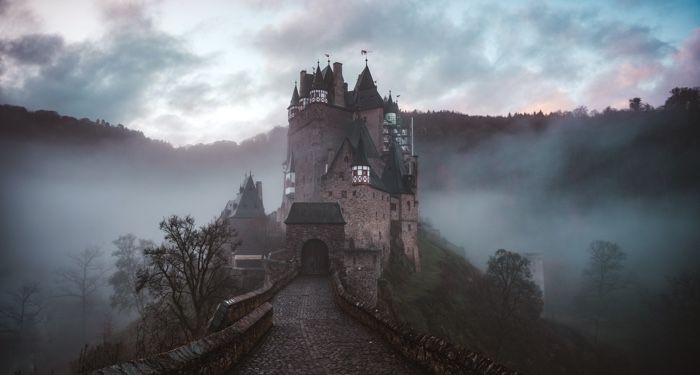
(350, 147)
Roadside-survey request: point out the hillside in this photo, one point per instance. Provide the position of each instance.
(445, 299)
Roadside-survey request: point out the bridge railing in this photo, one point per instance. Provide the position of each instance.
(430, 352)
(279, 274)
(234, 329)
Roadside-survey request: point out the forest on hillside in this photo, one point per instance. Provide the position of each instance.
(548, 183)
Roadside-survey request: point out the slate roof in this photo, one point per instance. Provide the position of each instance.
(390, 106)
(357, 130)
(247, 203)
(359, 155)
(319, 83)
(365, 95)
(315, 213)
(394, 170)
(295, 98)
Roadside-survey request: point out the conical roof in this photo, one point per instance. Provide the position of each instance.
(295, 98)
(390, 106)
(365, 95)
(365, 80)
(319, 83)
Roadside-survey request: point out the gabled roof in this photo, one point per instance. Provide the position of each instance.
(359, 156)
(374, 179)
(394, 170)
(357, 130)
(315, 213)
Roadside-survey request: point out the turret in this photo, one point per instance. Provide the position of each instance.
(360, 165)
(293, 108)
(319, 92)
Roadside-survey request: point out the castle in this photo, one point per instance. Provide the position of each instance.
(350, 180)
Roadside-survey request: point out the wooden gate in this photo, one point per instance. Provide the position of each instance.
(314, 258)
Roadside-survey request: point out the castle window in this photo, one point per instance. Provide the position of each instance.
(393, 206)
(354, 193)
(380, 235)
(345, 159)
(409, 226)
(344, 194)
(330, 194)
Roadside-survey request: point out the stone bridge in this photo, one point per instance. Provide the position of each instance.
(308, 325)
(311, 335)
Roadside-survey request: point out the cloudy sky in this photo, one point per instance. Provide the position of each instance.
(200, 71)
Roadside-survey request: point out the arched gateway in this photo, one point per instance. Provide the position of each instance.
(315, 235)
(314, 258)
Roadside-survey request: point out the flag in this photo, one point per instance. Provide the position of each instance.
(364, 52)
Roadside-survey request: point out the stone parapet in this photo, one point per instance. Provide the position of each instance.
(237, 307)
(432, 353)
(213, 354)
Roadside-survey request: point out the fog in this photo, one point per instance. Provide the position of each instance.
(525, 192)
(555, 191)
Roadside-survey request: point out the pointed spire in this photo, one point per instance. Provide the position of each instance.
(318, 79)
(295, 97)
(365, 80)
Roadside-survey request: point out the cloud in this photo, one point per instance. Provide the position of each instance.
(466, 61)
(33, 48)
(114, 77)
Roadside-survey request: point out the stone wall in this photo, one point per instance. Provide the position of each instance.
(312, 134)
(237, 307)
(361, 269)
(216, 353)
(430, 352)
(333, 235)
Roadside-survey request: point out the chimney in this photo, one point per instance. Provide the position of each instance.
(302, 84)
(339, 83)
(258, 187)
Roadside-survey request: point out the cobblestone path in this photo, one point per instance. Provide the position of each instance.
(311, 335)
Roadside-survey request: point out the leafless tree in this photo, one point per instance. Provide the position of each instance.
(82, 279)
(514, 300)
(21, 311)
(130, 261)
(187, 272)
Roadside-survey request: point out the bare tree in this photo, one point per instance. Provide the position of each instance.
(187, 274)
(515, 301)
(21, 311)
(130, 261)
(602, 277)
(82, 279)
